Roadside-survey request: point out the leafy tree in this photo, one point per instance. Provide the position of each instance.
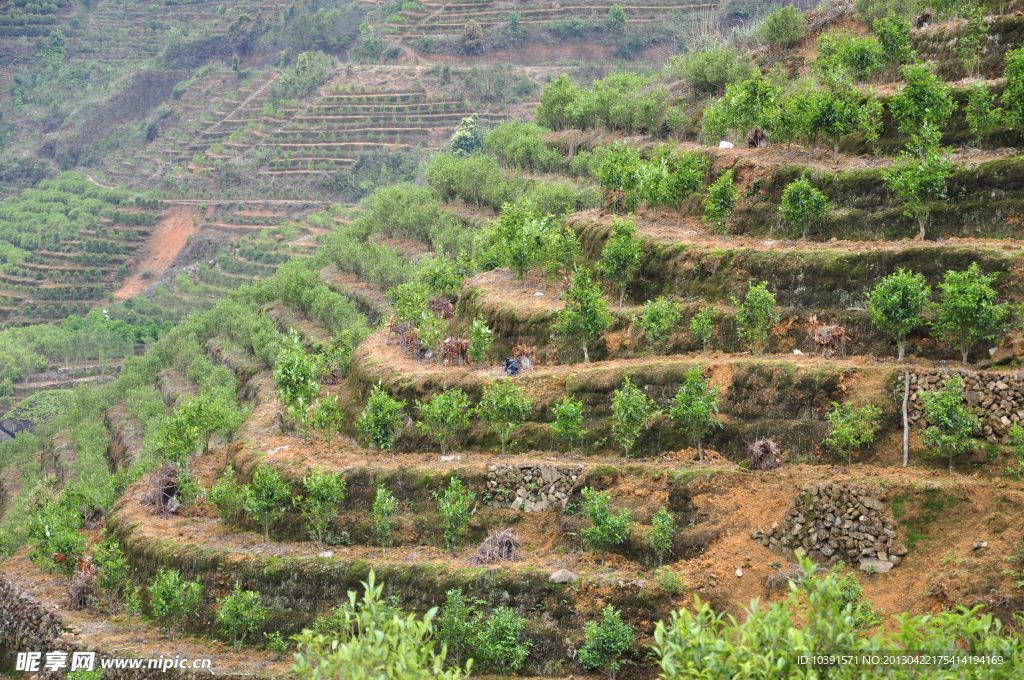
(556, 101)
(473, 37)
(797, 113)
(500, 644)
(172, 599)
(745, 104)
(621, 256)
(851, 428)
(480, 340)
(328, 418)
(659, 537)
(923, 101)
(295, 377)
(568, 423)
(842, 110)
(384, 506)
(755, 316)
(893, 33)
(585, 315)
(458, 625)
(694, 407)
(971, 39)
(632, 411)
(621, 175)
(896, 304)
(659, 318)
(967, 310)
(858, 56)
(445, 416)
(265, 497)
(228, 496)
(709, 70)
(240, 614)
(505, 406)
(605, 642)
(950, 422)
(468, 138)
(616, 18)
(981, 112)
(785, 26)
(382, 418)
(722, 196)
(919, 176)
(374, 641)
(1013, 87)
(454, 505)
(869, 10)
(522, 234)
(702, 326)
(803, 205)
(322, 493)
(608, 529)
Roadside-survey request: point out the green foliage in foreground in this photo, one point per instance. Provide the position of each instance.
(373, 640)
(606, 641)
(819, 617)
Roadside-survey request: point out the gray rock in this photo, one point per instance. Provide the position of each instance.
(875, 565)
(872, 503)
(564, 576)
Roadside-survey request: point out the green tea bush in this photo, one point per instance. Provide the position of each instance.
(454, 505)
(445, 416)
(568, 420)
(951, 423)
(632, 412)
(694, 407)
(702, 326)
(785, 26)
(607, 529)
(382, 418)
(505, 406)
(322, 493)
(605, 642)
(659, 537)
(384, 507)
(172, 599)
(240, 614)
(265, 497)
(722, 196)
(755, 315)
(851, 428)
(660, 318)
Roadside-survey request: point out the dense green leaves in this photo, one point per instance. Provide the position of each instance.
(265, 497)
(722, 196)
(896, 305)
(919, 176)
(967, 310)
(382, 418)
(950, 422)
(454, 505)
(585, 315)
(803, 205)
(621, 255)
(694, 408)
(923, 101)
(568, 422)
(785, 26)
(241, 614)
(319, 501)
(755, 315)
(295, 377)
(505, 406)
(605, 642)
(632, 412)
(659, 318)
(172, 599)
(851, 428)
(444, 416)
(607, 529)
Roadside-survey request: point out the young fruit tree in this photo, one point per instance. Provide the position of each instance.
(505, 406)
(950, 422)
(382, 418)
(295, 377)
(924, 101)
(755, 316)
(265, 497)
(454, 505)
(919, 176)
(480, 340)
(568, 423)
(660, 318)
(840, 109)
(896, 304)
(632, 412)
(694, 408)
(702, 326)
(607, 529)
(851, 428)
(240, 614)
(659, 537)
(585, 315)
(445, 416)
(172, 599)
(322, 493)
(621, 256)
(384, 506)
(605, 642)
(803, 205)
(722, 196)
(967, 309)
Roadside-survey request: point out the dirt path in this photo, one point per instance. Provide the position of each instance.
(168, 238)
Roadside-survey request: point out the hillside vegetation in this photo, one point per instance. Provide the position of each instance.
(457, 340)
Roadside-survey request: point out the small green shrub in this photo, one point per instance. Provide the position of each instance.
(295, 377)
(454, 505)
(803, 205)
(702, 326)
(480, 340)
(694, 407)
(660, 318)
(851, 428)
(950, 423)
(785, 26)
(608, 529)
(896, 304)
(322, 493)
(500, 644)
(722, 196)
(265, 497)
(585, 315)
(967, 309)
(606, 641)
(172, 599)
(384, 506)
(755, 316)
(505, 406)
(621, 256)
(669, 581)
(632, 412)
(240, 614)
(113, 577)
(568, 422)
(445, 416)
(659, 537)
(382, 418)
(228, 496)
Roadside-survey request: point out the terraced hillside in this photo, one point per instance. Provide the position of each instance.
(595, 382)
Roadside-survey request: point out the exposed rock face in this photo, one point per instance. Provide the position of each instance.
(834, 523)
(997, 399)
(531, 487)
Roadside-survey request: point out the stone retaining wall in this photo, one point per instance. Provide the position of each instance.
(839, 523)
(997, 399)
(531, 487)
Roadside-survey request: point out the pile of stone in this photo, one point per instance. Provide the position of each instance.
(531, 487)
(997, 399)
(834, 523)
